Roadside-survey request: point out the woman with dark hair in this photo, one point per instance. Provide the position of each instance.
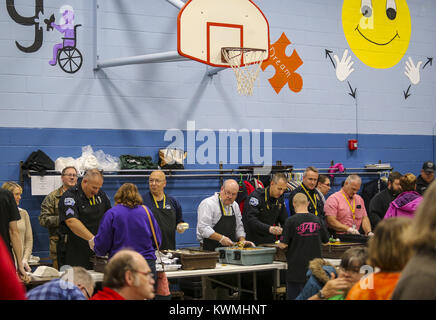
(408, 201)
(127, 225)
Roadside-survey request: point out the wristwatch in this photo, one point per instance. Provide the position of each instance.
(320, 295)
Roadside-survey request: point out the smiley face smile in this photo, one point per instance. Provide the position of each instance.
(379, 44)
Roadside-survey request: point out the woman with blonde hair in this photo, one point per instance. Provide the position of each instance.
(418, 279)
(24, 226)
(388, 251)
(127, 225)
(408, 201)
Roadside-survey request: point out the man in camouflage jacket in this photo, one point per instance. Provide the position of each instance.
(49, 217)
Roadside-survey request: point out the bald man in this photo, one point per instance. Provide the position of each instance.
(219, 222)
(127, 276)
(166, 209)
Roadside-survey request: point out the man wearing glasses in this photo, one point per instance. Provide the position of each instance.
(49, 217)
(323, 186)
(166, 209)
(219, 218)
(219, 224)
(127, 276)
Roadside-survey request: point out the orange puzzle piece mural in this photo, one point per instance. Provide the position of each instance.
(285, 66)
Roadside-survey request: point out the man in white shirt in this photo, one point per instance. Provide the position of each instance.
(219, 220)
(219, 224)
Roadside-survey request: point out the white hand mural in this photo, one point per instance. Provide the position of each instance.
(412, 71)
(343, 67)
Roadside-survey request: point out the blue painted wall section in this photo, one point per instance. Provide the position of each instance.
(404, 153)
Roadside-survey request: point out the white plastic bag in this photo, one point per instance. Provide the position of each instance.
(107, 162)
(87, 160)
(62, 163)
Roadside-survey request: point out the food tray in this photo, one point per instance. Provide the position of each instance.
(335, 250)
(280, 253)
(193, 259)
(168, 267)
(353, 238)
(247, 256)
(99, 263)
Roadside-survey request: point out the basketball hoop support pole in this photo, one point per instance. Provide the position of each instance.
(177, 3)
(170, 56)
(214, 70)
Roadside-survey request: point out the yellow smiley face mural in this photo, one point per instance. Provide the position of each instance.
(377, 31)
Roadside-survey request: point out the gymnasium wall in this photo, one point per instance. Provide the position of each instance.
(127, 110)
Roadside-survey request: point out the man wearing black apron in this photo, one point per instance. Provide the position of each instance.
(166, 210)
(264, 217)
(220, 222)
(80, 211)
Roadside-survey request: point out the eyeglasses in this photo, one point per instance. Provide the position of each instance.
(230, 194)
(326, 184)
(147, 274)
(86, 291)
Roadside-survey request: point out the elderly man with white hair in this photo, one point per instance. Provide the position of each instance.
(345, 209)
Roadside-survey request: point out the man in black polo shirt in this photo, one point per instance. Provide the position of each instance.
(263, 218)
(9, 216)
(265, 213)
(80, 211)
(308, 187)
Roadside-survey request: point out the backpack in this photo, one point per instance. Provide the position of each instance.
(136, 162)
(38, 161)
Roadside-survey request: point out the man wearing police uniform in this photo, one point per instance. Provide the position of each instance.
(80, 211)
(264, 217)
(265, 214)
(308, 187)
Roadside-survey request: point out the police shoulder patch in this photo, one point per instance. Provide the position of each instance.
(254, 201)
(69, 202)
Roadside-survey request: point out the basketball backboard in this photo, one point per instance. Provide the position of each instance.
(204, 27)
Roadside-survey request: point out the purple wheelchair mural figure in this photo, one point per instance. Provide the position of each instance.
(66, 54)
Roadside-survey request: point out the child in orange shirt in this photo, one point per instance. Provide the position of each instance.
(387, 251)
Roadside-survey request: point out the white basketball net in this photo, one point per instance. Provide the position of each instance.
(245, 75)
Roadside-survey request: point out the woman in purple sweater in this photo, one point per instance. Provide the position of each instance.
(408, 201)
(127, 225)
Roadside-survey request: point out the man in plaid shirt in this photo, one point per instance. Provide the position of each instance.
(80, 288)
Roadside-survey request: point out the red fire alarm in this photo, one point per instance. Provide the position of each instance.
(352, 144)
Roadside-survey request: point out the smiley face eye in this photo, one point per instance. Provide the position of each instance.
(391, 9)
(391, 13)
(366, 8)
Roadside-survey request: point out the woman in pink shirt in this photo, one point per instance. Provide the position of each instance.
(408, 201)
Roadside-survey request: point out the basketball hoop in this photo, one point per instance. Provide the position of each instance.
(245, 62)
